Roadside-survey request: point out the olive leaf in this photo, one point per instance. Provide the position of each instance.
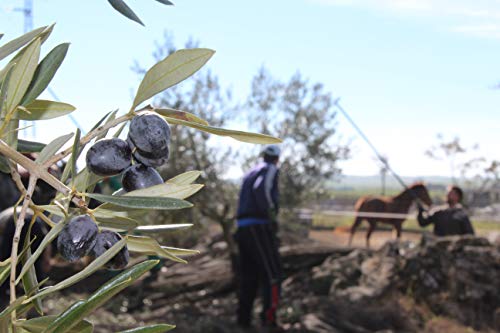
(26, 62)
(175, 68)
(75, 153)
(44, 35)
(182, 115)
(13, 306)
(19, 42)
(29, 280)
(6, 73)
(70, 168)
(38, 325)
(4, 165)
(237, 135)
(117, 223)
(52, 148)
(45, 72)
(158, 228)
(119, 130)
(185, 178)
(111, 117)
(85, 179)
(101, 120)
(43, 109)
(165, 2)
(159, 328)
(141, 202)
(167, 190)
(25, 146)
(72, 325)
(180, 252)
(150, 246)
(125, 10)
(4, 270)
(81, 309)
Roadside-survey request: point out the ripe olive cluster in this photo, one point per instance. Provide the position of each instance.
(147, 147)
(81, 237)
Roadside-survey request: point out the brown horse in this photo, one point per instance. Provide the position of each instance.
(399, 204)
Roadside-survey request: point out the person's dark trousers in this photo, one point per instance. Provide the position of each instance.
(260, 266)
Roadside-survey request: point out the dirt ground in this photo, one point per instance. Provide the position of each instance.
(340, 237)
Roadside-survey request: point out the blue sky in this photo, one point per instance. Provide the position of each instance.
(405, 70)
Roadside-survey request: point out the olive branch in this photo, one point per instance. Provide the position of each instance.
(22, 80)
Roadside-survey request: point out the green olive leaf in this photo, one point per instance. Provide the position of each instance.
(185, 178)
(111, 117)
(25, 146)
(80, 310)
(30, 280)
(4, 165)
(141, 202)
(37, 325)
(5, 75)
(13, 306)
(158, 228)
(52, 148)
(4, 270)
(159, 328)
(125, 10)
(175, 68)
(117, 223)
(19, 42)
(167, 190)
(26, 62)
(165, 2)
(150, 246)
(237, 135)
(45, 72)
(43, 109)
(180, 252)
(182, 115)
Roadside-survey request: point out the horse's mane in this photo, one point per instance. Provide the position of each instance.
(411, 187)
(417, 184)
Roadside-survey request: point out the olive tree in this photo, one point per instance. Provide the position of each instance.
(302, 113)
(23, 78)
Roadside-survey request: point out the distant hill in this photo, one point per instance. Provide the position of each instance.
(349, 182)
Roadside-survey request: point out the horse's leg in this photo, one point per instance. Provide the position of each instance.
(372, 226)
(398, 226)
(355, 225)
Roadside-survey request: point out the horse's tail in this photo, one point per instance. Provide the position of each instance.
(355, 225)
(357, 219)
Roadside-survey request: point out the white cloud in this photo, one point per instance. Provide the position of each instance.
(480, 18)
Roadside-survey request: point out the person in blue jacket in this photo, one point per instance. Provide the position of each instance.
(260, 262)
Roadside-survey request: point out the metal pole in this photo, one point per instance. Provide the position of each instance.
(379, 156)
(360, 132)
